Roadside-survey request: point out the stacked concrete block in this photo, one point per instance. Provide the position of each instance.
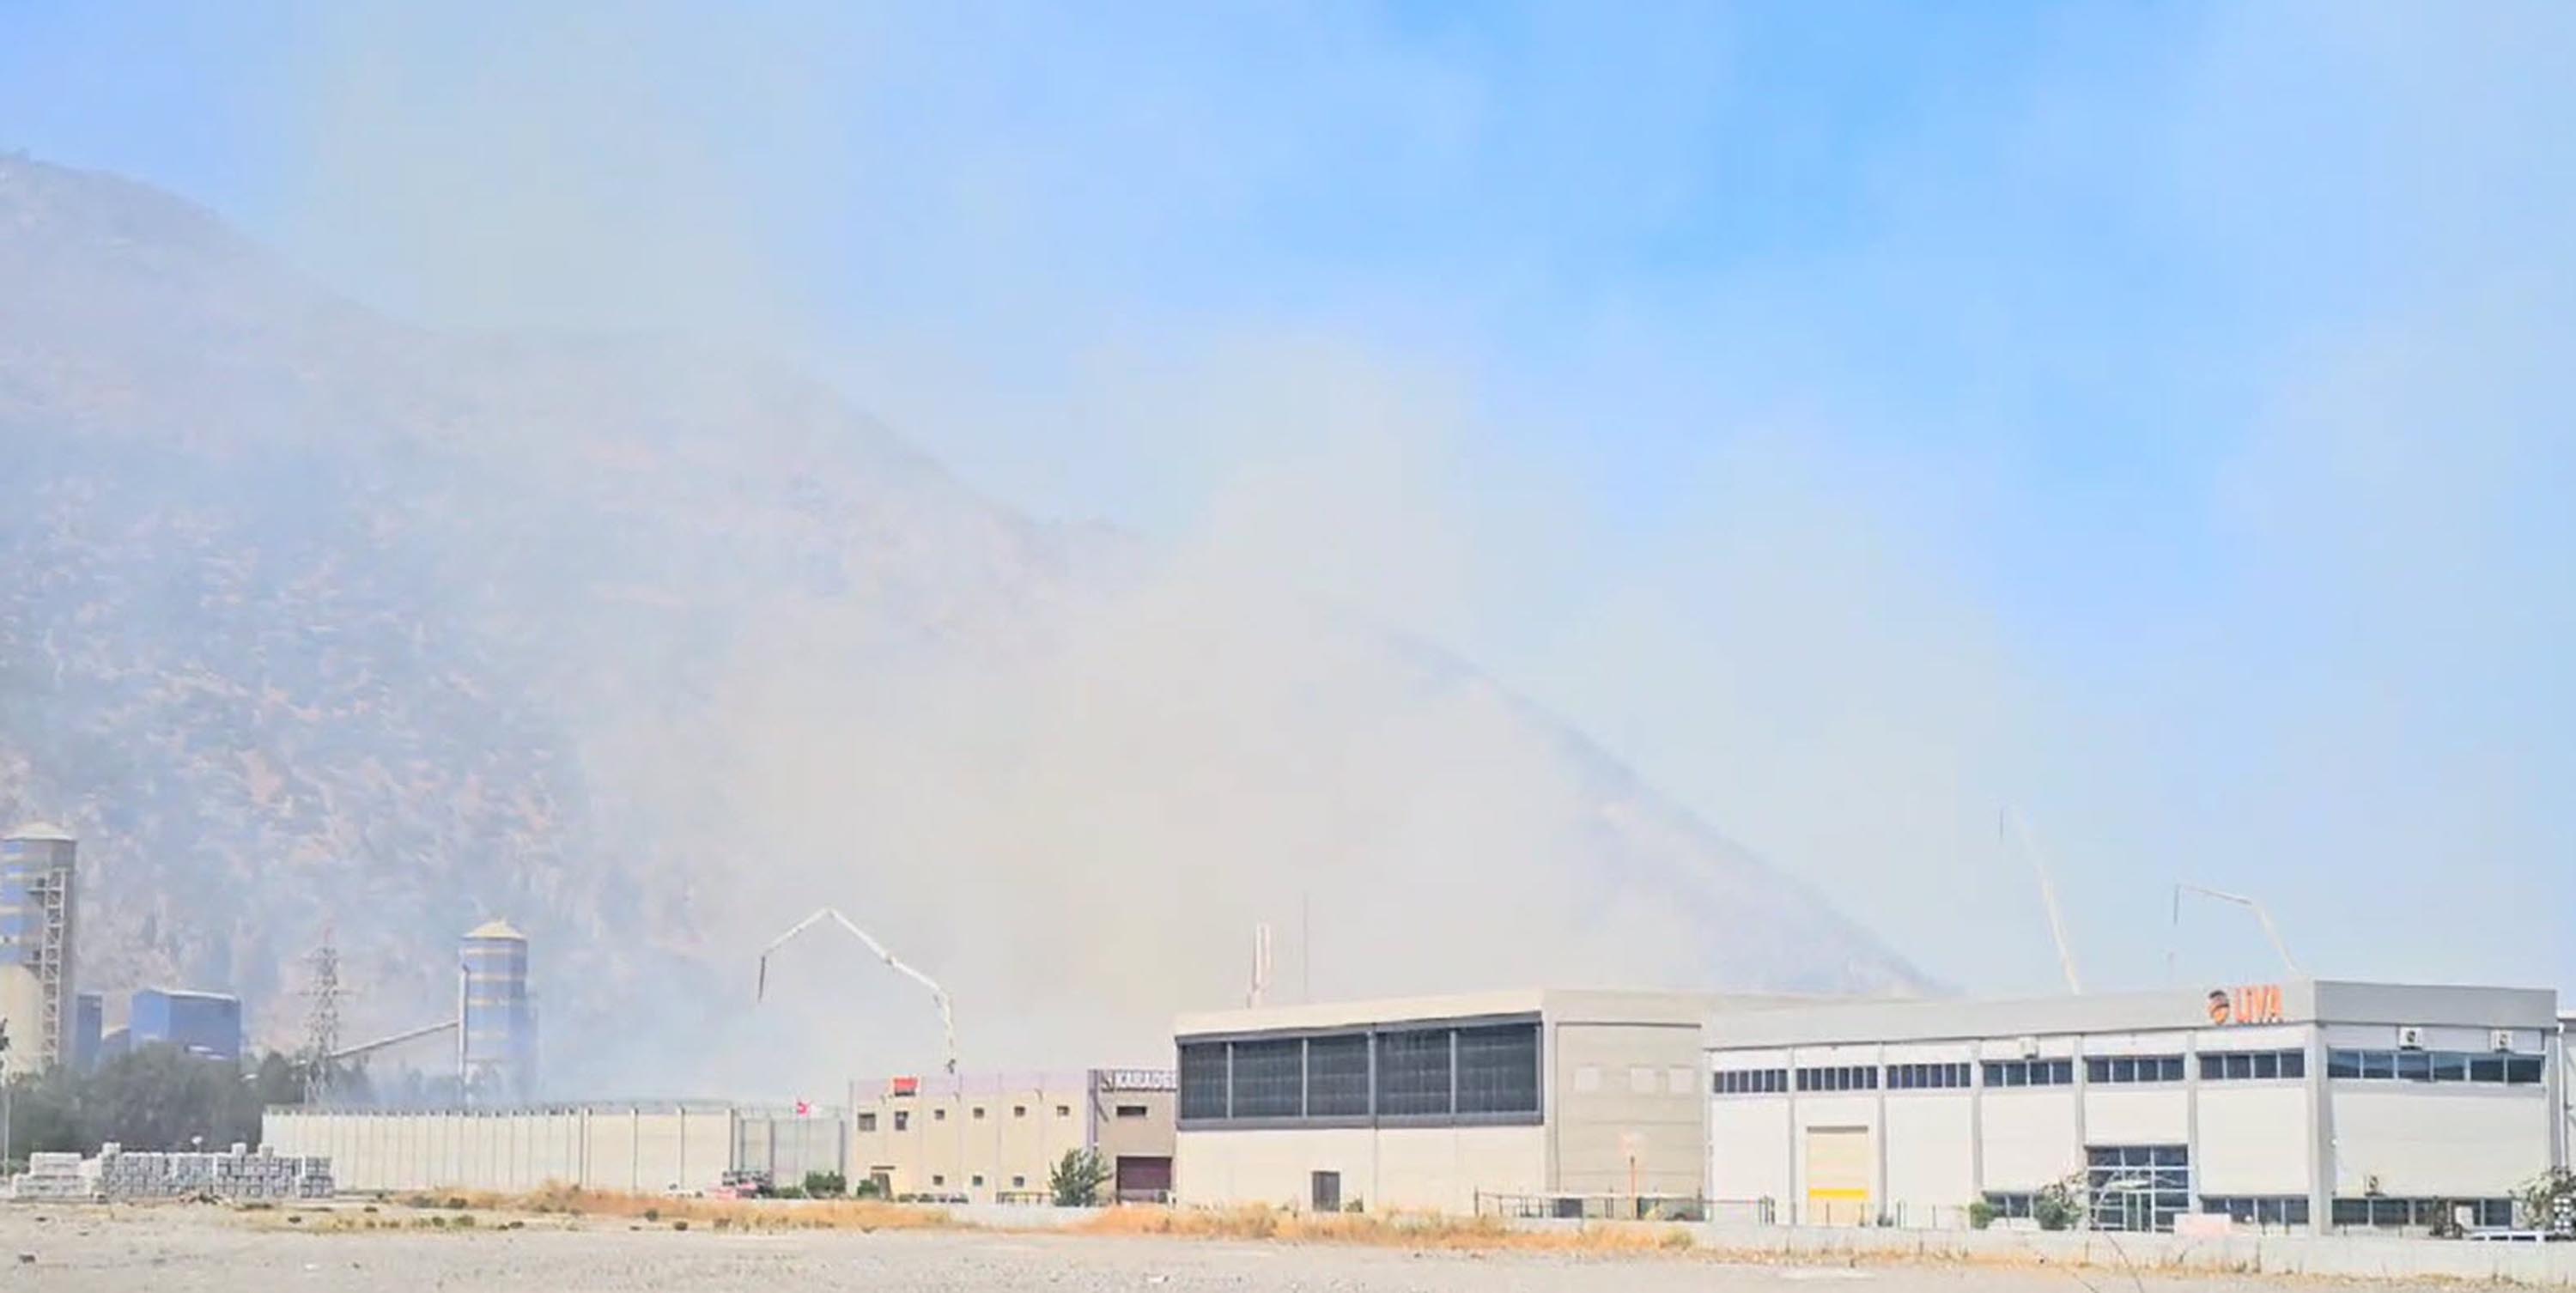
(52, 1177)
(241, 1174)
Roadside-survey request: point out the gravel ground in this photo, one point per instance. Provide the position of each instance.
(186, 1250)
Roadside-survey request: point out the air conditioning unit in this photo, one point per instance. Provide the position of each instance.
(2410, 1038)
(2500, 1039)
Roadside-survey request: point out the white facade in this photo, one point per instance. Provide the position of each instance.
(1448, 1104)
(635, 1149)
(2300, 1105)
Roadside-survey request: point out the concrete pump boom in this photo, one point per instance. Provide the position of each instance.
(947, 1023)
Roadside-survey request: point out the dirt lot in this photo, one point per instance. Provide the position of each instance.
(185, 1250)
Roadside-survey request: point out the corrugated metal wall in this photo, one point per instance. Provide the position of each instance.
(787, 1146)
(633, 1148)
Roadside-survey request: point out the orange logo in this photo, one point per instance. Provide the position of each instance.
(2253, 1004)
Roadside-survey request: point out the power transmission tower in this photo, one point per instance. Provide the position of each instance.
(321, 1019)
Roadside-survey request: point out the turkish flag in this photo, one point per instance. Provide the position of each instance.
(803, 1108)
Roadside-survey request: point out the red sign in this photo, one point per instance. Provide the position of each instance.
(2252, 1004)
(904, 1086)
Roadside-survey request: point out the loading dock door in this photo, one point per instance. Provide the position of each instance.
(1838, 1174)
(1143, 1180)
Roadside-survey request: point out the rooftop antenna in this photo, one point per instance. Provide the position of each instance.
(2012, 827)
(2270, 930)
(1260, 965)
(947, 1022)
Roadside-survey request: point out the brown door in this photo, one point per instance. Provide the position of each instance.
(1142, 1179)
(1327, 1191)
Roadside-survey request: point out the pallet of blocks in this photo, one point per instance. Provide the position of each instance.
(241, 1174)
(56, 1178)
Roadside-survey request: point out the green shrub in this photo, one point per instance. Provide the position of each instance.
(1981, 1214)
(826, 1185)
(1076, 1179)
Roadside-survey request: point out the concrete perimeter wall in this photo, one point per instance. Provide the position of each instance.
(627, 1148)
(2338, 1256)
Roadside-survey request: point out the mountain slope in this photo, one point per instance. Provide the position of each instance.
(309, 618)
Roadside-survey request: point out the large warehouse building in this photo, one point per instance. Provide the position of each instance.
(2301, 1105)
(1449, 1103)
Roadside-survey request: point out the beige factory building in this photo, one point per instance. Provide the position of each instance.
(994, 1138)
(1554, 1102)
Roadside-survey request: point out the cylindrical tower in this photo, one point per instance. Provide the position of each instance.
(36, 946)
(497, 1025)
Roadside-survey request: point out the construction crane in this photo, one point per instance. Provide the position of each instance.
(2009, 827)
(2270, 930)
(947, 1023)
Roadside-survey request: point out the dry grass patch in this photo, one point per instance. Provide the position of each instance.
(732, 1214)
(1391, 1230)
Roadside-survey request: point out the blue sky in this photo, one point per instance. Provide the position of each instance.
(1860, 417)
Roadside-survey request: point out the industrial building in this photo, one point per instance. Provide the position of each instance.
(2307, 1104)
(982, 1139)
(200, 1023)
(497, 1020)
(994, 1138)
(1512, 1100)
(37, 945)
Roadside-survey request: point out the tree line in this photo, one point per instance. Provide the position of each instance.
(156, 1097)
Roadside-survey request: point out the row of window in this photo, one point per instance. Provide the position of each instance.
(2391, 1214)
(2158, 1201)
(2030, 1072)
(1840, 1077)
(2258, 1210)
(1752, 1082)
(2109, 1070)
(2241, 1066)
(903, 1117)
(2120, 1069)
(2496, 1068)
(1484, 1070)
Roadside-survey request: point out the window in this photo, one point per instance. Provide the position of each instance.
(1751, 1082)
(1926, 1077)
(1498, 1069)
(1846, 1077)
(1270, 1079)
(936, 1179)
(2124, 1069)
(2137, 1187)
(1131, 1111)
(2255, 1066)
(868, 1121)
(2010, 1073)
(2266, 1211)
(902, 1120)
(979, 1113)
(2490, 1067)
(1064, 1111)
(2425, 1214)
(939, 1115)
(976, 1180)
(1019, 1111)
(1641, 1080)
(1019, 1182)
(2011, 1204)
(1413, 1073)
(1337, 1076)
(1202, 1080)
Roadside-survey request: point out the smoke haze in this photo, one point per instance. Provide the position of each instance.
(2152, 422)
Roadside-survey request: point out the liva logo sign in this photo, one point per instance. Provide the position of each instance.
(2258, 1003)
